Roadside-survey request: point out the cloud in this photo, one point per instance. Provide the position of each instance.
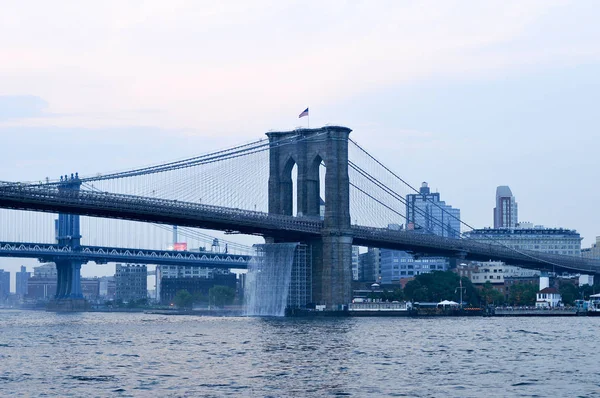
(202, 65)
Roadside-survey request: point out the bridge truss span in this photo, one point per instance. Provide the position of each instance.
(99, 254)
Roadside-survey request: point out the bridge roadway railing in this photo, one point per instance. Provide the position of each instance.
(469, 249)
(52, 252)
(140, 208)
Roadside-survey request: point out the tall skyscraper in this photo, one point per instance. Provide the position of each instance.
(505, 212)
(22, 281)
(425, 212)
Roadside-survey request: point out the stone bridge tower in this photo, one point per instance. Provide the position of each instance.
(332, 253)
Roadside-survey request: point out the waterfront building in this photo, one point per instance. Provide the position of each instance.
(186, 271)
(4, 284)
(42, 285)
(510, 281)
(592, 252)
(41, 288)
(501, 276)
(505, 212)
(164, 272)
(466, 269)
(370, 265)
(425, 212)
(131, 282)
(496, 272)
(194, 285)
(107, 288)
(90, 288)
(527, 237)
(548, 297)
(397, 265)
(22, 280)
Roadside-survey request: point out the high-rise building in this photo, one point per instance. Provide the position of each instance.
(505, 212)
(131, 282)
(425, 212)
(22, 281)
(4, 284)
(370, 265)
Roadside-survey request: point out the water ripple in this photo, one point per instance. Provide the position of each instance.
(45, 354)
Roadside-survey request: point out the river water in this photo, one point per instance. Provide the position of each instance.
(140, 355)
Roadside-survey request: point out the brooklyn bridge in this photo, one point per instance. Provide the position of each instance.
(273, 188)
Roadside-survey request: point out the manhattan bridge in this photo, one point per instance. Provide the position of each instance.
(272, 188)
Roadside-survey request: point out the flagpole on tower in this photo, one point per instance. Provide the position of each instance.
(305, 113)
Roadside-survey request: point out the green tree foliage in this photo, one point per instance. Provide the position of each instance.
(183, 299)
(440, 285)
(586, 291)
(523, 294)
(198, 297)
(569, 292)
(220, 296)
(489, 295)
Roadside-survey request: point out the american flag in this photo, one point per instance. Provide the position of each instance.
(304, 113)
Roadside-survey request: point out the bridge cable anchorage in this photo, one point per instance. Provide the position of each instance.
(463, 235)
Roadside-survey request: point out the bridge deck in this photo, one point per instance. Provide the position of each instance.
(102, 204)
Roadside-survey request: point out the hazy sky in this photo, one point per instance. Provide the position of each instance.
(466, 95)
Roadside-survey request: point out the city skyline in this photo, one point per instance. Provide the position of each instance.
(468, 110)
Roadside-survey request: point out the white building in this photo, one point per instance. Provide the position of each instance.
(496, 271)
(586, 280)
(548, 297)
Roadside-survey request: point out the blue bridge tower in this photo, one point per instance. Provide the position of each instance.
(68, 235)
